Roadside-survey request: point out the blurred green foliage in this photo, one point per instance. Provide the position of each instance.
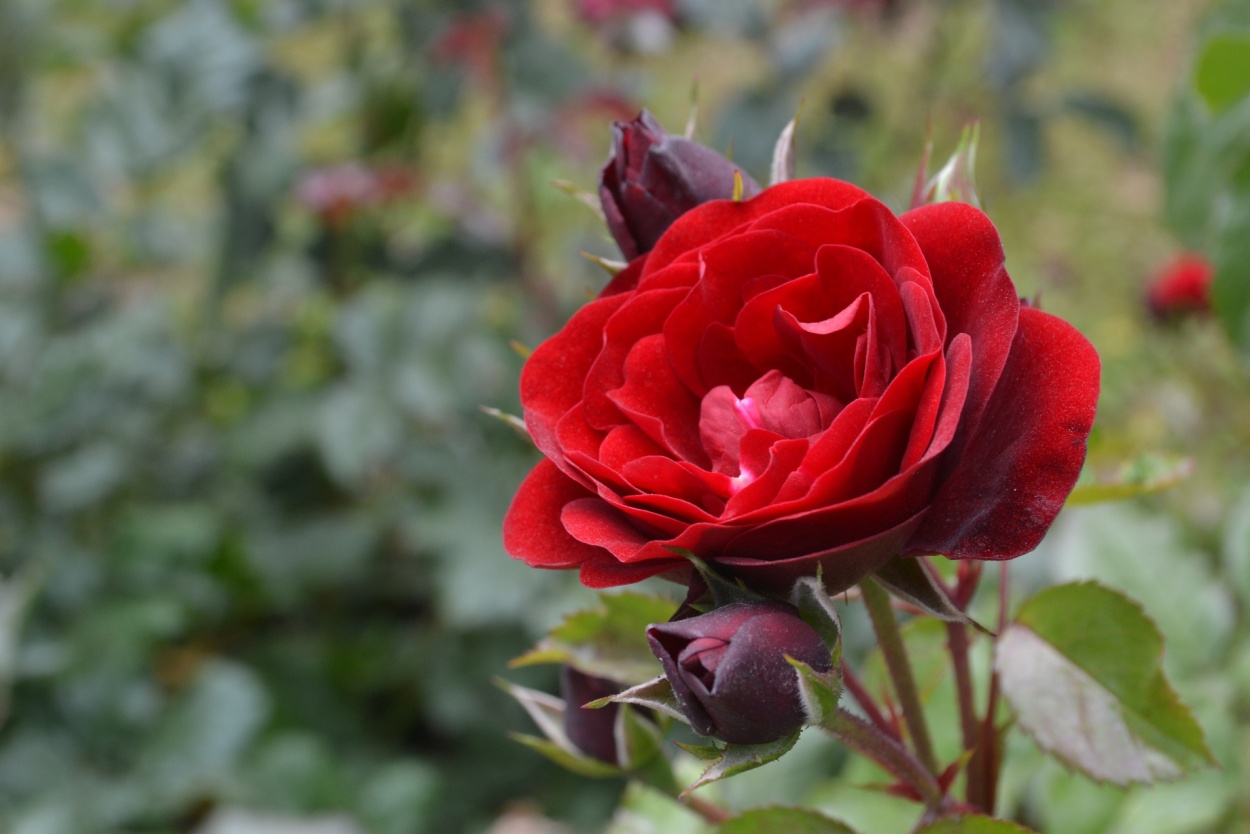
(261, 261)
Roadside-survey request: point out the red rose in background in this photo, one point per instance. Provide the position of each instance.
(1182, 286)
(797, 379)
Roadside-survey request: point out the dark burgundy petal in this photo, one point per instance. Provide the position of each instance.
(1016, 470)
(593, 731)
(729, 671)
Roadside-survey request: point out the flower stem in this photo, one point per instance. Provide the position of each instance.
(957, 642)
(711, 812)
(891, 640)
(866, 702)
(982, 788)
(864, 738)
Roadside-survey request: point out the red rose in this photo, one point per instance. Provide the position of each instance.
(799, 379)
(1182, 286)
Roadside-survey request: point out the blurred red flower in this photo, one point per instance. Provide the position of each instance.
(1182, 286)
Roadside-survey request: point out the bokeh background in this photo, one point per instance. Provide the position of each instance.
(262, 261)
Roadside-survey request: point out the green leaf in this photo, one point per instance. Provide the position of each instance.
(1082, 668)
(1148, 472)
(609, 642)
(1128, 548)
(789, 820)
(1222, 75)
(1230, 290)
(972, 824)
(739, 758)
(820, 691)
(1236, 549)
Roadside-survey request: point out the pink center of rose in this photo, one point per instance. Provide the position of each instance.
(773, 408)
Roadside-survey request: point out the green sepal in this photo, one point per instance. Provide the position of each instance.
(817, 610)
(656, 694)
(820, 691)
(724, 592)
(739, 758)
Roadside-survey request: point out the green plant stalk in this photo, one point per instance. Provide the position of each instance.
(864, 738)
(877, 600)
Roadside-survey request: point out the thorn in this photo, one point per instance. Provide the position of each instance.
(511, 419)
(693, 118)
(582, 196)
(609, 266)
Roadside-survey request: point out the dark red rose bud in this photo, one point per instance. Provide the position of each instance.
(593, 731)
(729, 672)
(653, 178)
(1182, 286)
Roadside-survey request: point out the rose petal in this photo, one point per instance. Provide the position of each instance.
(655, 400)
(966, 262)
(551, 380)
(642, 315)
(705, 223)
(532, 530)
(1016, 471)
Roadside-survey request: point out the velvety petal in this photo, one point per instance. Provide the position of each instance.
(551, 380)
(728, 267)
(642, 315)
(841, 566)
(705, 223)
(655, 400)
(669, 478)
(941, 404)
(866, 225)
(532, 530)
(1016, 470)
(967, 266)
(606, 572)
(842, 275)
(770, 465)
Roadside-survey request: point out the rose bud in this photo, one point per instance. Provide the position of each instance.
(593, 731)
(653, 178)
(729, 672)
(1182, 286)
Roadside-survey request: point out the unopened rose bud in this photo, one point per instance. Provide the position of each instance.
(1182, 286)
(653, 178)
(593, 731)
(729, 672)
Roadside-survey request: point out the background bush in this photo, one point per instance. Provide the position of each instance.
(261, 261)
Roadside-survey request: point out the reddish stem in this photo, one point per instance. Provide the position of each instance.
(984, 767)
(867, 703)
(957, 642)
